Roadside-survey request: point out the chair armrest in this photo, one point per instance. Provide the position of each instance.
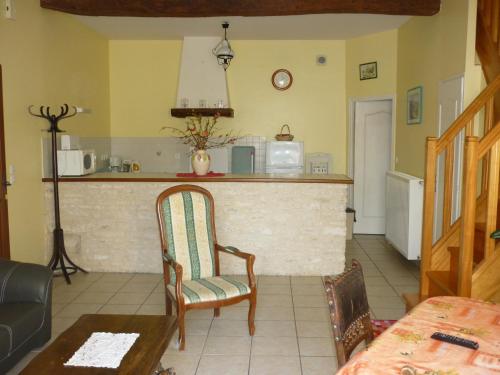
(25, 282)
(250, 259)
(496, 234)
(178, 275)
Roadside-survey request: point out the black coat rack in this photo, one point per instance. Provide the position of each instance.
(59, 255)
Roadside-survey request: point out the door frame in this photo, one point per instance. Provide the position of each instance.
(350, 136)
(4, 215)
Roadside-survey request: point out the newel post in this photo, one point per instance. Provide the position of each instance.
(465, 259)
(428, 216)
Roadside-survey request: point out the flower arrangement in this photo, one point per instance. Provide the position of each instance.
(201, 133)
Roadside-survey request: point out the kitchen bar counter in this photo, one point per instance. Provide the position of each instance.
(295, 225)
(171, 177)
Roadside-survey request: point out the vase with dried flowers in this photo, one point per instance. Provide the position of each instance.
(201, 134)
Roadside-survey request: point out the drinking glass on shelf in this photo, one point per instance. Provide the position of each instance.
(220, 104)
(184, 102)
(202, 103)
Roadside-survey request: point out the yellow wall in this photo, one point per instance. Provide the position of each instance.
(47, 58)
(380, 47)
(430, 49)
(144, 74)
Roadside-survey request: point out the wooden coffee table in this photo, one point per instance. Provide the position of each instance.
(143, 358)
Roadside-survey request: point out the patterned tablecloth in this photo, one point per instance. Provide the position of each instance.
(408, 343)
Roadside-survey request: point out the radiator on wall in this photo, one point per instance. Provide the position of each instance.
(403, 218)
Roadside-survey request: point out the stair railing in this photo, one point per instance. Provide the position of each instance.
(483, 150)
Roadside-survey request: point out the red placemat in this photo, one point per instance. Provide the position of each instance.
(192, 174)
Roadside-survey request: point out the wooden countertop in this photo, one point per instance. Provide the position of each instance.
(171, 177)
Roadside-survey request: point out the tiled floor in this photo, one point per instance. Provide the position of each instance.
(293, 334)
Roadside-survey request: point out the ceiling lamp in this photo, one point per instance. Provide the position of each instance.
(223, 50)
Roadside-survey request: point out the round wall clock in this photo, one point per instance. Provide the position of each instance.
(282, 79)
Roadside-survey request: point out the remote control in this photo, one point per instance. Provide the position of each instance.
(455, 340)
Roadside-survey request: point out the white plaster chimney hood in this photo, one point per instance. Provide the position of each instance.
(202, 81)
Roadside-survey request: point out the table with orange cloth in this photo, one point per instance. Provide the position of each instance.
(408, 345)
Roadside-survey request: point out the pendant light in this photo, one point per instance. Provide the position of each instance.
(223, 50)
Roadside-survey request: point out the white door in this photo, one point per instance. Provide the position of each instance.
(372, 159)
(449, 108)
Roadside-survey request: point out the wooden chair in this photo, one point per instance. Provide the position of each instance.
(190, 249)
(350, 313)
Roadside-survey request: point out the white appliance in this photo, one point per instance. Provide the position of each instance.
(75, 162)
(285, 157)
(403, 217)
(69, 142)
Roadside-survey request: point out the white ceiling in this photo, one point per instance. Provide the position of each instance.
(305, 27)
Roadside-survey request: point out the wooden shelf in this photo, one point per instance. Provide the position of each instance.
(186, 112)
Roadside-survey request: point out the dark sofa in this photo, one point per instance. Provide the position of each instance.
(25, 310)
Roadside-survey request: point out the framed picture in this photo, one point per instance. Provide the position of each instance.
(414, 106)
(368, 71)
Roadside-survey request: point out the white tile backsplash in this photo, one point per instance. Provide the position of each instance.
(155, 154)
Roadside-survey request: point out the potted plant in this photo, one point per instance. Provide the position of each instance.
(201, 134)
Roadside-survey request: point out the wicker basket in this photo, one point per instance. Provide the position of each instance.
(284, 136)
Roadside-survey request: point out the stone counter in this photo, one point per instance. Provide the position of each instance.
(292, 228)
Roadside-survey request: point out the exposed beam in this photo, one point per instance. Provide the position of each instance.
(247, 8)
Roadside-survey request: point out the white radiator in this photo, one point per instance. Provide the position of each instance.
(404, 206)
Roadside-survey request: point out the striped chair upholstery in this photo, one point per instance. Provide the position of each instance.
(211, 289)
(189, 234)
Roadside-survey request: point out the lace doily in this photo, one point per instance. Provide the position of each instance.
(103, 349)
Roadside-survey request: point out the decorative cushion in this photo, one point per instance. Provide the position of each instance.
(379, 326)
(211, 289)
(187, 223)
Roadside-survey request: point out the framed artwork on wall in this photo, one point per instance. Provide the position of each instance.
(368, 71)
(414, 106)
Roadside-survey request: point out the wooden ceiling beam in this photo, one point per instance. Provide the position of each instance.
(246, 8)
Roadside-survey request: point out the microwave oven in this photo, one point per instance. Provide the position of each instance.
(75, 162)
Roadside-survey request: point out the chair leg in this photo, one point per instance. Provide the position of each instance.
(251, 313)
(168, 305)
(181, 311)
(216, 312)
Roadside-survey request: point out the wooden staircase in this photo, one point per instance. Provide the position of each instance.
(465, 260)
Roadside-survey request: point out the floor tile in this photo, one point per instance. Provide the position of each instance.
(77, 309)
(313, 314)
(155, 299)
(127, 299)
(383, 291)
(274, 300)
(275, 365)
(223, 364)
(316, 346)
(309, 301)
(273, 280)
(274, 313)
(308, 290)
(269, 328)
(233, 313)
(274, 346)
(229, 328)
(94, 297)
(194, 345)
(116, 277)
(183, 364)
(151, 310)
(64, 297)
(274, 289)
(313, 329)
(223, 345)
(201, 314)
(134, 287)
(119, 309)
(105, 287)
(147, 278)
(61, 324)
(385, 302)
(389, 314)
(197, 327)
(306, 280)
(318, 365)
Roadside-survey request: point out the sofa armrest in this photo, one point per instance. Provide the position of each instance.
(24, 282)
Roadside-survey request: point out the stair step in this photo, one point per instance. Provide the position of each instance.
(441, 284)
(412, 300)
